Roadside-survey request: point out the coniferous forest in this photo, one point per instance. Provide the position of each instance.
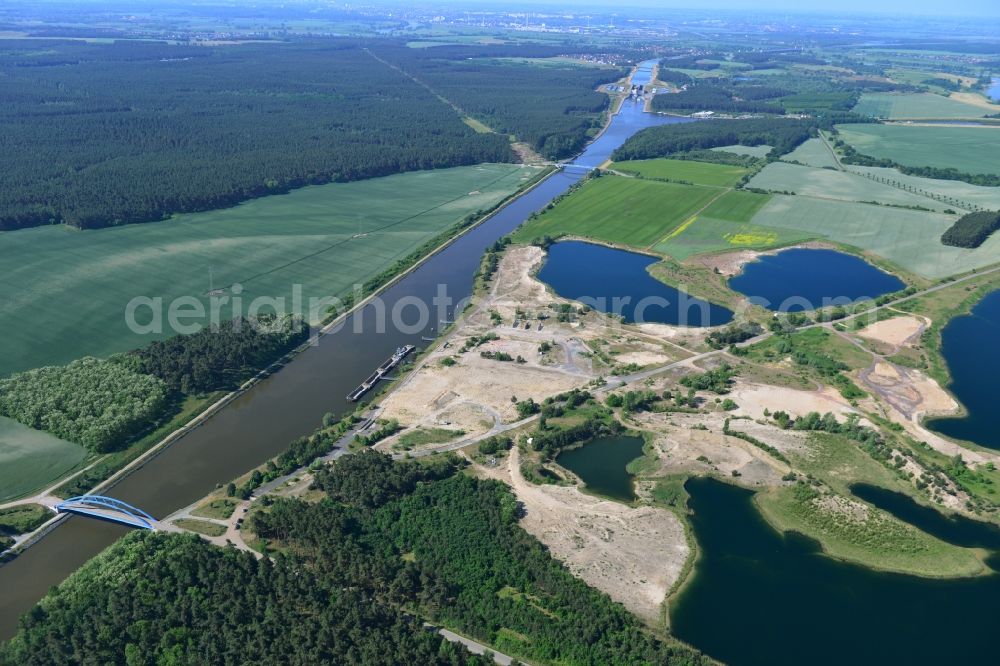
(171, 599)
(784, 134)
(554, 109)
(388, 536)
(95, 135)
(99, 135)
(221, 357)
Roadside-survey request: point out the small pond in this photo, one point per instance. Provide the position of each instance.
(800, 279)
(616, 282)
(760, 597)
(601, 462)
(969, 345)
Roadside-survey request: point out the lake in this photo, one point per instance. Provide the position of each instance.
(617, 282)
(601, 462)
(969, 345)
(801, 279)
(954, 529)
(759, 597)
(993, 92)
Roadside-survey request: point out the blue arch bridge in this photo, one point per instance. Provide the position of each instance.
(109, 509)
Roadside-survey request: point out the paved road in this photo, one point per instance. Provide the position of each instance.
(476, 648)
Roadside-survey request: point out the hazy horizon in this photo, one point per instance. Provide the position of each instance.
(958, 8)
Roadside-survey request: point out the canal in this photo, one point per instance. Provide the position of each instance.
(291, 403)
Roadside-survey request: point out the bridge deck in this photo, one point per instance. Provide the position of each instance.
(109, 509)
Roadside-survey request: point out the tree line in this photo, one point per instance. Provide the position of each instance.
(104, 404)
(972, 230)
(101, 404)
(704, 95)
(219, 357)
(783, 134)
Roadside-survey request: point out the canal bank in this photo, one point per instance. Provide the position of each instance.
(260, 422)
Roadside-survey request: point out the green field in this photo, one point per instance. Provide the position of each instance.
(749, 151)
(804, 102)
(701, 73)
(556, 61)
(66, 291)
(205, 527)
(829, 184)
(616, 209)
(968, 149)
(812, 153)
(220, 509)
(40, 459)
(699, 173)
(23, 518)
(963, 194)
(910, 239)
(709, 234)
(911, 106)
(737, 206)
(725, 225)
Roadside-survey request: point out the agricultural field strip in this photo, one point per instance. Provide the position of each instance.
(836, 185)
(972, 150)
(712, 235)
(271, 241)
(750, 151)
(47, 458)
(698, 173)
(620, 210)
(908, 238)
(954, 193)
(916, 106)
(373, 230)
(688, 222)
(812, 153)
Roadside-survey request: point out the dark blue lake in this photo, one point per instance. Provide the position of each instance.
(954, 529)
(798, 279)
(969, 345)
(760, 597)
(601, 463)
(616, 282)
